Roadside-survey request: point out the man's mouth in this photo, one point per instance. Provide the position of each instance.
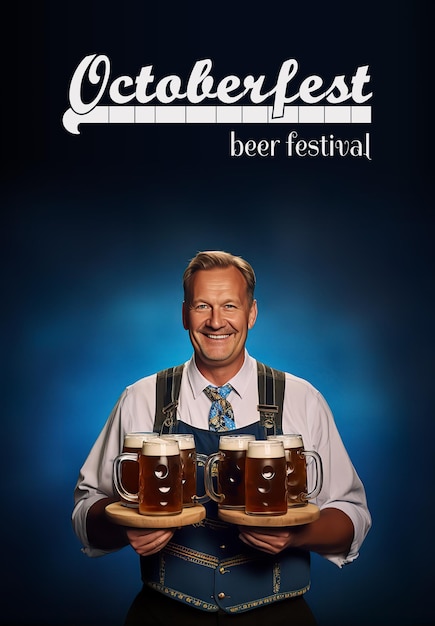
(217, 336)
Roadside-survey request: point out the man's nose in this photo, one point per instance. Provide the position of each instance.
(216, 320)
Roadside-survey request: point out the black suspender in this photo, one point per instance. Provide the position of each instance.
(271, 386)
(167, 391)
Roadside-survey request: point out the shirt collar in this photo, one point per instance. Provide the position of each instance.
(239, 382)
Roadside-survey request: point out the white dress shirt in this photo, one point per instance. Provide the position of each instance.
(305, 411)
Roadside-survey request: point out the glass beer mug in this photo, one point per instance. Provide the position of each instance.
(130, 469)
(189, 459)
(160, 477)
(229, 466)
(297, 481)
(265, 478)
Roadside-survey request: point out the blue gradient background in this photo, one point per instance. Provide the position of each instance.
(97, 230)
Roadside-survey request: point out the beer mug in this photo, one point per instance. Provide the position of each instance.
(189, 459)
(229, 465)
(265, 478)
(160, 475)
(297, 482)
(130, 469)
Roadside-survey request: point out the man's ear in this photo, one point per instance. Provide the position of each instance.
(252, 315)
(184, 314)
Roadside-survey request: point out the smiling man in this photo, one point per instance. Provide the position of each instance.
(218, 311)
(213, 572)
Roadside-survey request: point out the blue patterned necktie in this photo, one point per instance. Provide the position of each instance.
(221, 416)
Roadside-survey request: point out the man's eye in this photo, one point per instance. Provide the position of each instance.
(202, 307)
(230, 306)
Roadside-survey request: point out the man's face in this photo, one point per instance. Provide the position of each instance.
(218, 317)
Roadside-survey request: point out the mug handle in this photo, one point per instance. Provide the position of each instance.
(117, 483)
(210, 463)
(319, 473)
(201, 460)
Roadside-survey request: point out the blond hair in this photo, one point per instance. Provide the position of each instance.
(218, 258)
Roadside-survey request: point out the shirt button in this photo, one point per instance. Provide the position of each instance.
(221, 595)
(222, 547)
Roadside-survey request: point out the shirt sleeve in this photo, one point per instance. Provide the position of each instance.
(134, 411)
(342, 488)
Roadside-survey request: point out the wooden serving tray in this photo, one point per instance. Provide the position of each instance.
(294, 517)
(124, 516)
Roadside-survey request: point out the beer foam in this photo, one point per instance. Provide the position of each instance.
(289, 441)
(185, 441)
(135, 440)
(265, 450)
(235, 442)
(157, 446)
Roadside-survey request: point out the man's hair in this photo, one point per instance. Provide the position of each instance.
(218, 258)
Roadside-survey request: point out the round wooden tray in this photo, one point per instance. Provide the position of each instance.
(294, 517)
(125, 516)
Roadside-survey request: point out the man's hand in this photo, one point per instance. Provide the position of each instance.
(331, 533)
(270, 540)
(147, 542)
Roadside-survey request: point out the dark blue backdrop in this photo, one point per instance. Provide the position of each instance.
(97, 231)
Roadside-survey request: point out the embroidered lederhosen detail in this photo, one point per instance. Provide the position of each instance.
(247, 606)
(237, 581)
(173, 593)
(276, 578)
(206, 565)
(193, 556)
(183, 597)
(249, 572)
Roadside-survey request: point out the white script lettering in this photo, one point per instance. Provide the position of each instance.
(93, 75)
